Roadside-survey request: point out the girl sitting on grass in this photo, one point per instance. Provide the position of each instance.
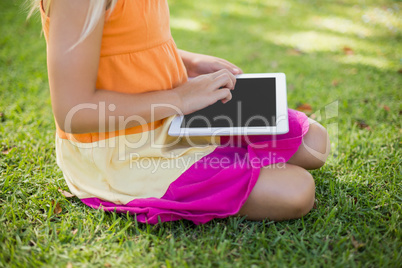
(116, 80)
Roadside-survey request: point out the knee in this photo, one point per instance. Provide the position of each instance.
(301, 200)
(280, 194)
(317, 144)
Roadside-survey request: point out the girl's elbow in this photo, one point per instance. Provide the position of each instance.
(74, 123)
(71, 127)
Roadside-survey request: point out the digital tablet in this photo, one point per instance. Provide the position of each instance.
(258, 107)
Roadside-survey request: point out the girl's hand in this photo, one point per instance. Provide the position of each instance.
(205, 90)
(199, 64)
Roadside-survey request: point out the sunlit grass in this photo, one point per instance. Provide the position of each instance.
(341, 25)
(377, 62)
(388, 17)
(185, 24)
(311, 41)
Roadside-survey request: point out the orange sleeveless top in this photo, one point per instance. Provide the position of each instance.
(138, 55)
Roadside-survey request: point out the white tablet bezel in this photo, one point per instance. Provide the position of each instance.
(282, 125)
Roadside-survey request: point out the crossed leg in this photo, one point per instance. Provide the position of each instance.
(288, 191)
(314, 150)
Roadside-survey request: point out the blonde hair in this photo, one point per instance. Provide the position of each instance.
(95, 11)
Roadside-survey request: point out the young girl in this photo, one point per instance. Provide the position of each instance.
(116, 80)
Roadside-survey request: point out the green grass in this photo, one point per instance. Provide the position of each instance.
(357, 218)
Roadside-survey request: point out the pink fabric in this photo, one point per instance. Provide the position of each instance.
(219, 184)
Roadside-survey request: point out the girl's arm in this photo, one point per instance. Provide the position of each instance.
(73, 74)
(198, 64)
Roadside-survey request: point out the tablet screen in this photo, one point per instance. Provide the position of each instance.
(253, 104)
